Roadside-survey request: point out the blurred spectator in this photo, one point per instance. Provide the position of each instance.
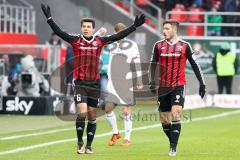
(196, 17)
(12, 80)
(4, 86)
(55, 40)
(5, 58)
(231, 6)
(31, 82)
(214, 30)
(225, 64)
(179, 17)
(198, 3)
(56, 44)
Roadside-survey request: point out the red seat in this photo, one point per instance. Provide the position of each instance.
(196, 17)
(179, 17)
(150, 23)
(195, 31)
(119, 4)
(141, 2)
(123, 6)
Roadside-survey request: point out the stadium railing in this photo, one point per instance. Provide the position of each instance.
(17, 19)
(205, 24)
(129, 8)
(48, 57)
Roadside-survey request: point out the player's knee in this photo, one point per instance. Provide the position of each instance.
(176, 111)
(176, 116)
(126, 111)
(108, 108)
(164, 119)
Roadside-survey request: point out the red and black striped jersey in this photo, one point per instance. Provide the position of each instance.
(87, 50)
(171, 59)
(86, 58)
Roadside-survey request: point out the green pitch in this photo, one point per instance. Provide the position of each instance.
(207, 134)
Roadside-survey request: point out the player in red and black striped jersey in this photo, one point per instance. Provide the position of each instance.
(87, 49)
(171, 54)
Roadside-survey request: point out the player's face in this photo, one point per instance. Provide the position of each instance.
(87, 29)
(168, 31)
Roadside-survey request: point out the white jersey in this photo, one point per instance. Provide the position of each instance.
(120, 84)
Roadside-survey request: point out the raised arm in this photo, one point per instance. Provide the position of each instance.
(65, 36)
(120, 35)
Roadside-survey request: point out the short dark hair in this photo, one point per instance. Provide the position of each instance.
(172, 22)
(87, 19)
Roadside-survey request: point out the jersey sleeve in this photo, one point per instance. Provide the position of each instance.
(62, 34)
(153, 63)
(196, 68)
(118, 36)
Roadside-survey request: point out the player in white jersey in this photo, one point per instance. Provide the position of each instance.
(120, 88)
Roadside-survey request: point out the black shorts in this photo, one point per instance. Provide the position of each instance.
(176, 96)
(86, 92)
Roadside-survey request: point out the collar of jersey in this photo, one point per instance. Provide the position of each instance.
(173, 42)
(88, 40)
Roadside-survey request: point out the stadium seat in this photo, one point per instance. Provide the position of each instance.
(195, 30)
(179, 17)
(150, 23)
(141, 2)
(123, 6)
(119, 4)
(196, 17)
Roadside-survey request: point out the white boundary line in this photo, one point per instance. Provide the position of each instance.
(20, 149)
(35, 134)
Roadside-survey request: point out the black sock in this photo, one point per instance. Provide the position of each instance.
(80, 125)
(91, 129)
(175, 132)
(167, 130)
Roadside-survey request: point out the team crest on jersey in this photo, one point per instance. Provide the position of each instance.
(94, 43)
(179, 48)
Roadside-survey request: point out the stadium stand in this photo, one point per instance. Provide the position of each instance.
(17, 23)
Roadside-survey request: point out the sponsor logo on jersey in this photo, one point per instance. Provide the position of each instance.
(94, 43)
(179, 48)
(170, 54)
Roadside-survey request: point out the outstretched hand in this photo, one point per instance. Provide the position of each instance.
(46, 10)
(139, 20)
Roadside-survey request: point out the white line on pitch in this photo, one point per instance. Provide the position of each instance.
(110, 133)
(39, 133)
(35, 134)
